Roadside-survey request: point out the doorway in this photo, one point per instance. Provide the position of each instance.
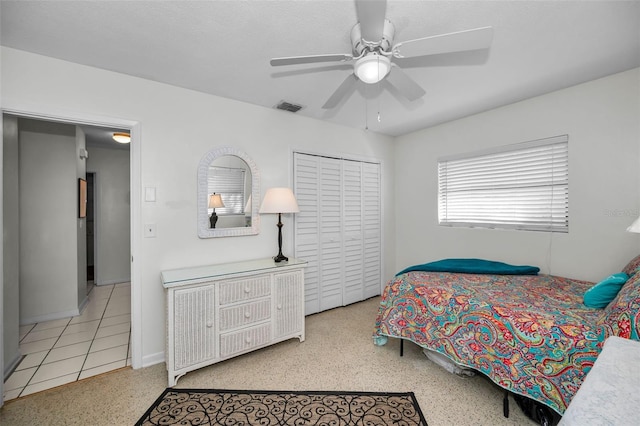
(114, 289)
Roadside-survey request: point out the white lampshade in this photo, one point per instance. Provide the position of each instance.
(279, 200)
(372, 68)
(635, 226)
(215, 201)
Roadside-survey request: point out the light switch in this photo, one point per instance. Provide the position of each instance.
(150, 230)
(150, 194)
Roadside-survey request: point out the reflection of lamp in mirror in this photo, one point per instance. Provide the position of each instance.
(279, 200)
(215, 201)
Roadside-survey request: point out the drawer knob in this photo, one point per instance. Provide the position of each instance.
(209, 324)
(247, 314)
(247, 339)
(247, 290)
(279, 307)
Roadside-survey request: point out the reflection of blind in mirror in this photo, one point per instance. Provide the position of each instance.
(229, 183)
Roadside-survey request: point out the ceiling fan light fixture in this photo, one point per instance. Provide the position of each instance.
(372, 68)
(122, 137)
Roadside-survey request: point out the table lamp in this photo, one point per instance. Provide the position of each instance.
(279, 200)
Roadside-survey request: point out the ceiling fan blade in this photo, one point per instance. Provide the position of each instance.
(478, 38)
(371, 14)
(340, 92)
(294, 60)
(405, 85)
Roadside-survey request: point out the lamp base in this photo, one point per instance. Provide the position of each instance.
(280, 258)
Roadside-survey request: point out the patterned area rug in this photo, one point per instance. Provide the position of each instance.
(230, 407)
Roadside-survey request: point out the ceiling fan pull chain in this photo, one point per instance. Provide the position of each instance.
(379, 91)
(379, 103)
(366, 110)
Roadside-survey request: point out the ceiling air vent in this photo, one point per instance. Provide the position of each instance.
(288, 106)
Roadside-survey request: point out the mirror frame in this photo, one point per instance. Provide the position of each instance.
(203, 191)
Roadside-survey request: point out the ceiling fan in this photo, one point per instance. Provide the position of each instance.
(373, 49)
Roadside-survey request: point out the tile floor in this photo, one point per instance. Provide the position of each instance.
(65, 350)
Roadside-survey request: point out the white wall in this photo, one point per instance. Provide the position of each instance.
(48, 221)
(178, 127)
(11, 243)
(112, 233)
(602, 120)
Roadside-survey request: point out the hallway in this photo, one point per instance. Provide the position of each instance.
(70, 349)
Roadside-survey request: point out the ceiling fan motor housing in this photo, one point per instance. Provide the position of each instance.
(362, 46)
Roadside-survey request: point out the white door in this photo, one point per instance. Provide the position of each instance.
(372, 230)
(306, 226)
(352, 219)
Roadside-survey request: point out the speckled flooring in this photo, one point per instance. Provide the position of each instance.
(338, 354)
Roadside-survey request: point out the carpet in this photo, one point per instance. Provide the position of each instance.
(238, 408)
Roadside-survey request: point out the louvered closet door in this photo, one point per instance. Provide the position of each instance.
(317, 230)
(352, 220)
(306, 226)
(372, 230)
(331, 272)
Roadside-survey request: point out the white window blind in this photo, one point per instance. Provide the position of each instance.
(230, 184)
(523, 186)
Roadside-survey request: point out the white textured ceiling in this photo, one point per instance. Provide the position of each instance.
(223, 48)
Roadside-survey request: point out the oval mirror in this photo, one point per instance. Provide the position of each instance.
(228, 182)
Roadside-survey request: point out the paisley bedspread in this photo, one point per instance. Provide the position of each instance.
(530, 334)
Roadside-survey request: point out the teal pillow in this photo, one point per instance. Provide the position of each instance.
(605, 291)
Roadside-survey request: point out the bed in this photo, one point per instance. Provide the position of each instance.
(530, 334)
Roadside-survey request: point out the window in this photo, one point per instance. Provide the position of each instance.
(229, 183)
(523, 186)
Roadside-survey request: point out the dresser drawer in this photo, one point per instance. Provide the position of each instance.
(235, 316)
(244, 340)
(244, 289)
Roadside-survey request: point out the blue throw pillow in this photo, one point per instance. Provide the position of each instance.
(605, 291)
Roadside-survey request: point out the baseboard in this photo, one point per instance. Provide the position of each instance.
(83, 304)
(49, 317)
(12, 365)
(153, 359)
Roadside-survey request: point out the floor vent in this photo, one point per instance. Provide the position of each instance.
(288, 106)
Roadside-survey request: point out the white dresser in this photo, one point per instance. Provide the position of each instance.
(216, 312)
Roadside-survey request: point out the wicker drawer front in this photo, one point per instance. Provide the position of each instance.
(244, 340)
(231, 317)
(244, 289)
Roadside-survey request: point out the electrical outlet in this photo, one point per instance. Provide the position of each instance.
(150, 230)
